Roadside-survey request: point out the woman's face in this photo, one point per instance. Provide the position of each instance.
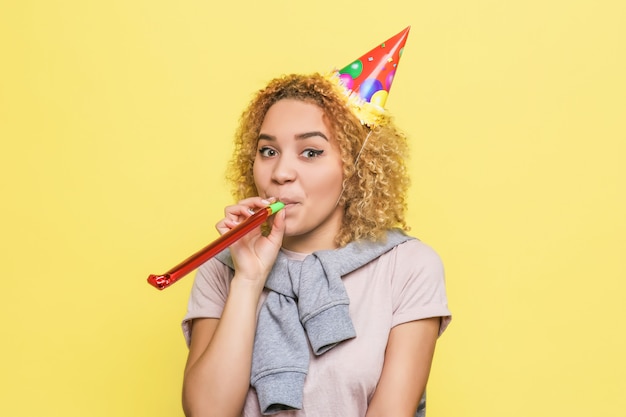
(298, 161)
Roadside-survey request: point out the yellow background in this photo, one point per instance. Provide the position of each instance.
(115, 122)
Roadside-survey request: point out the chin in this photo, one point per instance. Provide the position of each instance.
(291, 232)
(296, 231)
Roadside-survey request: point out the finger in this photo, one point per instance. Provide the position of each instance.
(278, 227)
(239, 212)
(231, 224)
(233, 215)
(257, 202)
(223, 226)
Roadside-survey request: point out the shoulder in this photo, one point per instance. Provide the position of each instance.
(213, 276)
(208, 294)
(414, 255)
(415, 269)
(418, 284)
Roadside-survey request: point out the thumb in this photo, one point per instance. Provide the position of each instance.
(278, 227)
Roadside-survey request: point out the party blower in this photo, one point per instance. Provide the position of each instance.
(194, 261)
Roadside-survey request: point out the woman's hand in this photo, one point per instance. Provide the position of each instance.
(224, 346)
(253, 254)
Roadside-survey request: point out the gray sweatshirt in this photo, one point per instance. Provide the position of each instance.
(307, 304)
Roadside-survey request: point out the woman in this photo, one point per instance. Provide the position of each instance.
(369, 347)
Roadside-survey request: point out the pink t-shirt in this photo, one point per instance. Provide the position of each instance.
(405, 284)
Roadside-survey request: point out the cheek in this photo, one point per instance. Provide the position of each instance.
(330, 182)
(257, 174)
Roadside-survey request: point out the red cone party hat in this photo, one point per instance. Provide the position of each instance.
(370, 77)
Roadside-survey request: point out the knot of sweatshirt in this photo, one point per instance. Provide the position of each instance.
(307, 304)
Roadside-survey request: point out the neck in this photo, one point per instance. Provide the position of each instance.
(303, 244)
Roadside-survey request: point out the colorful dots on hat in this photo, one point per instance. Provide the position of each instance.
(370, 76)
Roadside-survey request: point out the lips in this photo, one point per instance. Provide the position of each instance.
(288, 202)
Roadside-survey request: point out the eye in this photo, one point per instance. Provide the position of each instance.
(267, 152)
(312, 153)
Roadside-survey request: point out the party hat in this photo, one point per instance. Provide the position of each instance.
(368, 79)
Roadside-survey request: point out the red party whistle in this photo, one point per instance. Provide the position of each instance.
(194, 261)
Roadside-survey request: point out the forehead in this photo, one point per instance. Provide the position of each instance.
(289, 114)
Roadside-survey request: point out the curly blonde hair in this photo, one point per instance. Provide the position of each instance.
(375, 187)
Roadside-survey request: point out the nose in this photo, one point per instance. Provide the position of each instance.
(284, 170)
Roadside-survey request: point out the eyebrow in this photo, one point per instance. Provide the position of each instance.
(305, 135)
